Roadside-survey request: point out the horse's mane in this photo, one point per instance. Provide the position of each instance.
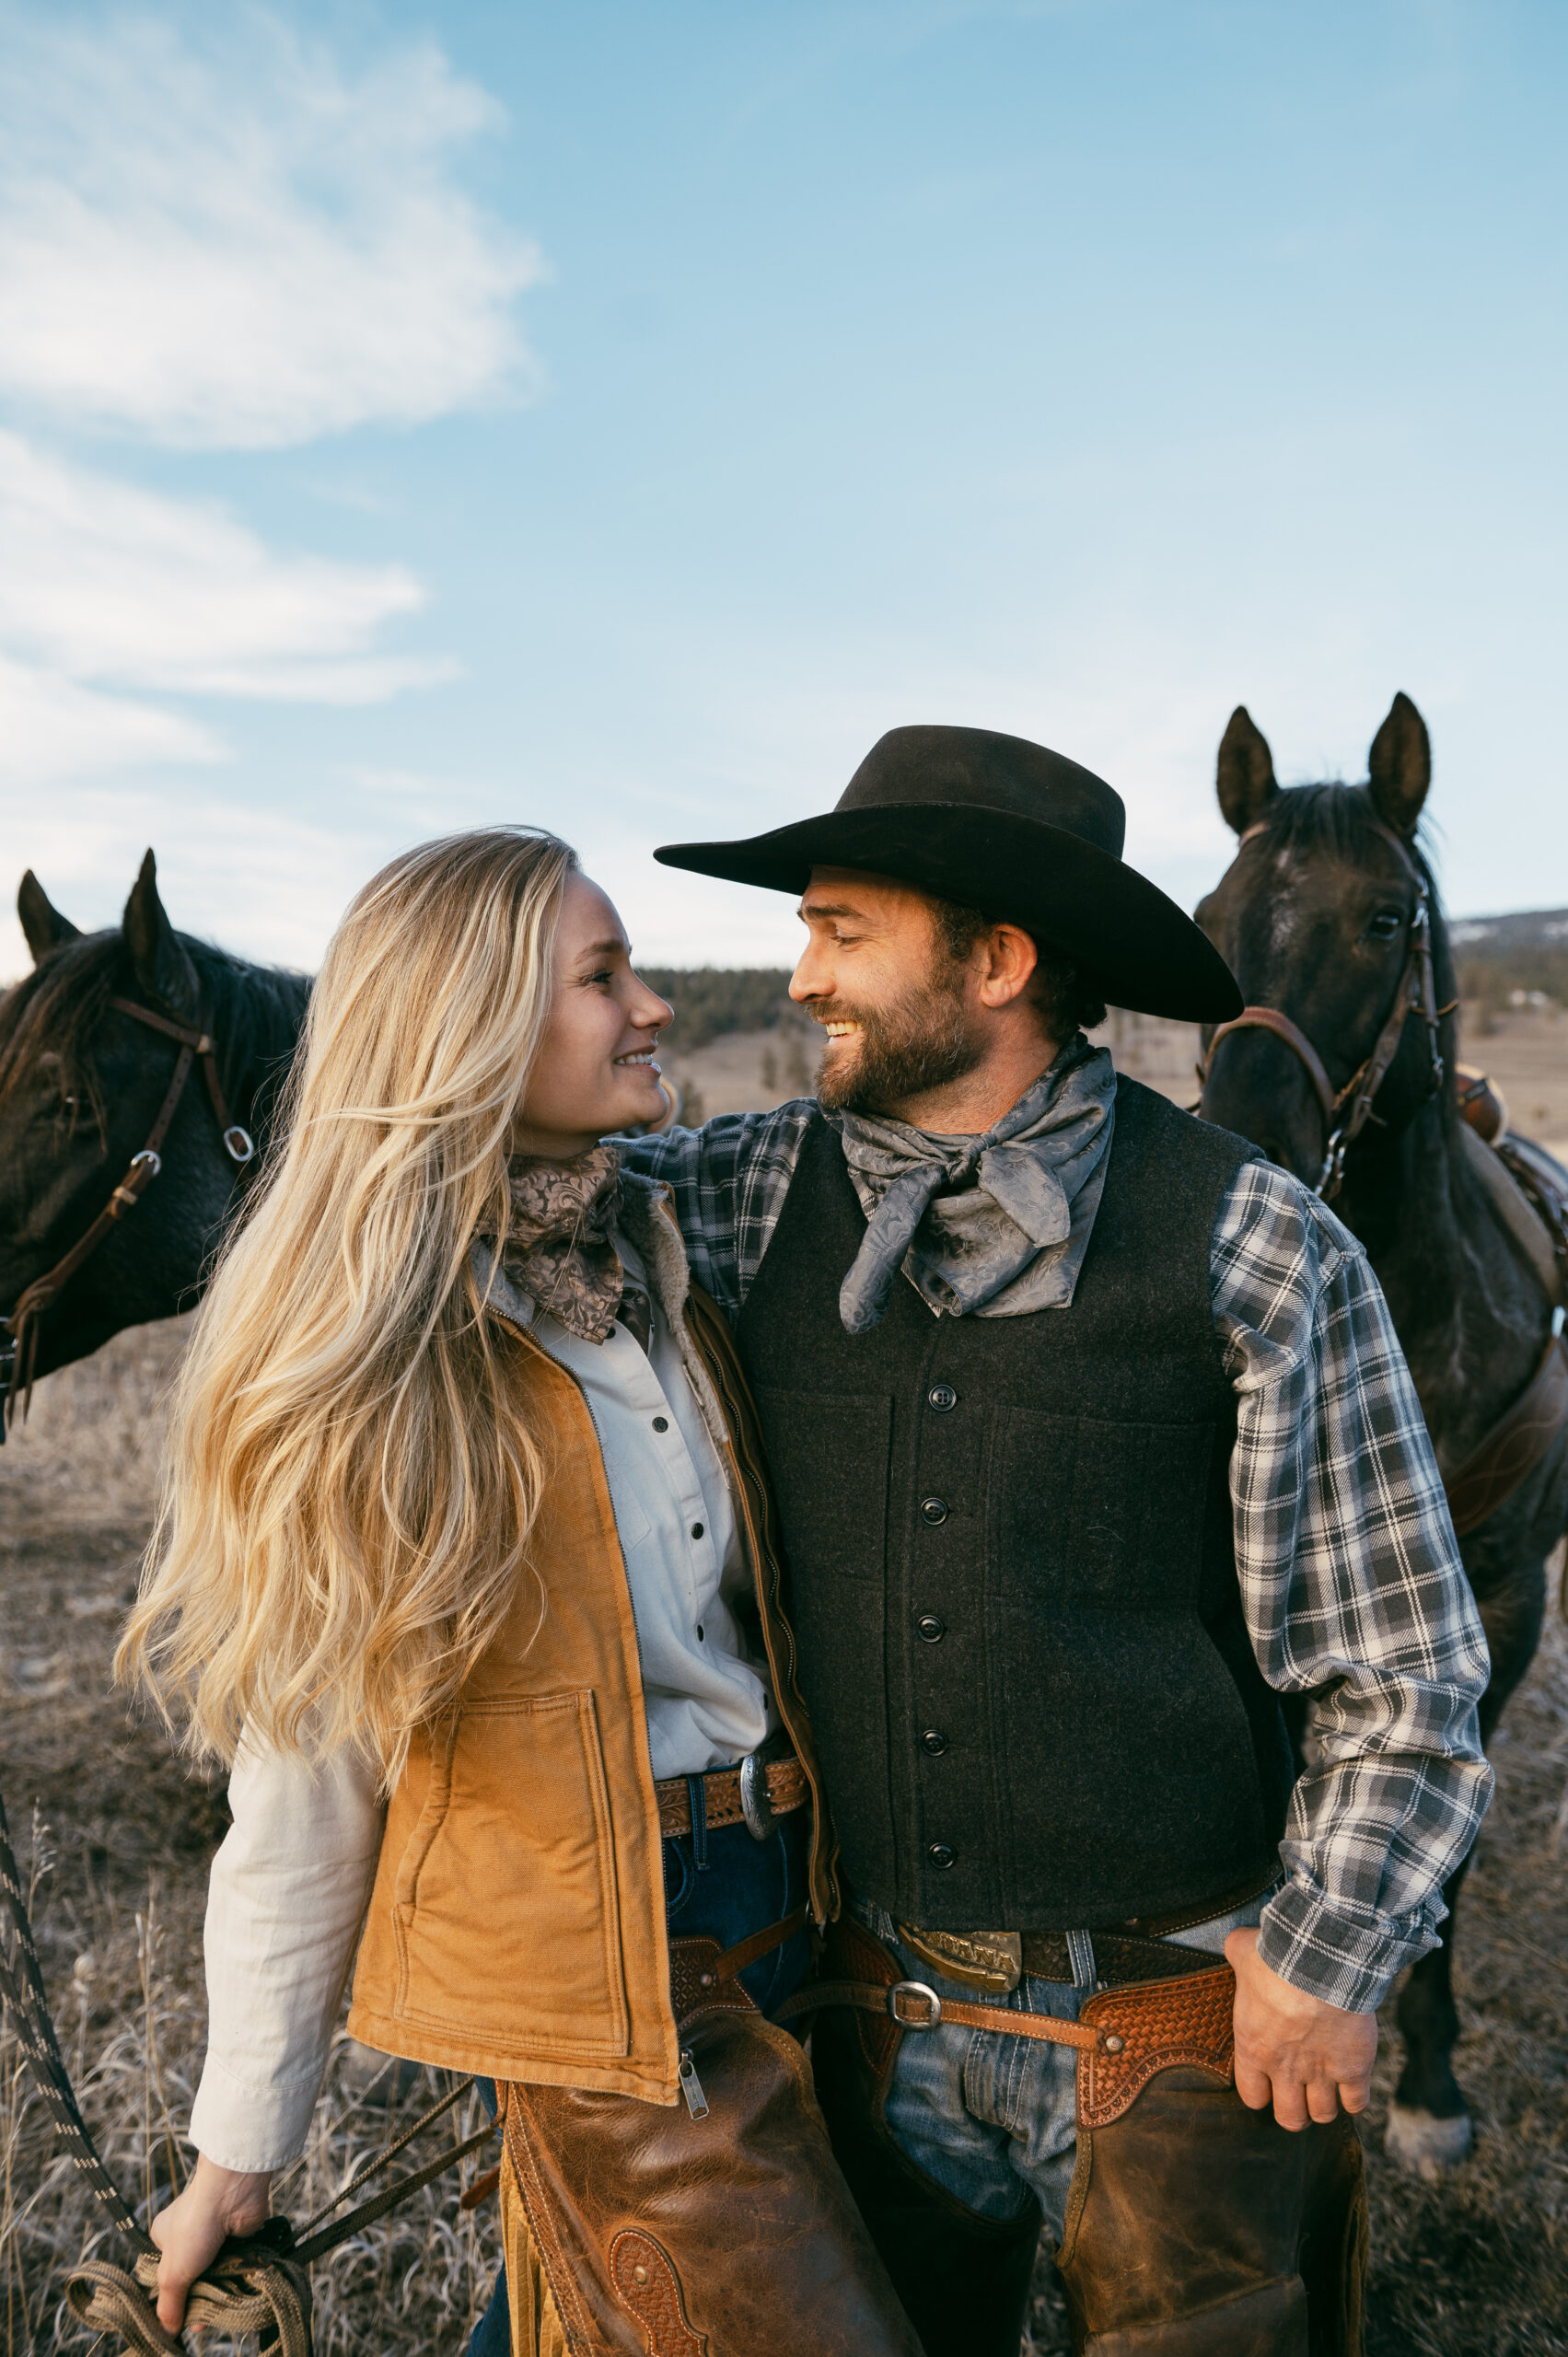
(1333, 817)
(252, 1012)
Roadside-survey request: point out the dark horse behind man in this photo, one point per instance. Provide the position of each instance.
(1320, 917)
(139, 1070)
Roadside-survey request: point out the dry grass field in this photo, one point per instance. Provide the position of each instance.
(119, 1834)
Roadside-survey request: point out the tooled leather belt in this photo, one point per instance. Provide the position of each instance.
(776, 1788)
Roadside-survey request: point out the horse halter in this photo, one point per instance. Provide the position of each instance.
(1416, 994)
(18, 1355)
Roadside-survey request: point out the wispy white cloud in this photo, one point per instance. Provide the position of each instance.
(220, 238)
(51, 729)
(100, 581)
(216, 236)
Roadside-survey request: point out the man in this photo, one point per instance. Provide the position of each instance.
(1091, 1440)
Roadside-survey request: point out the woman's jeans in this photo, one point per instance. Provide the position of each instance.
(720, 1883)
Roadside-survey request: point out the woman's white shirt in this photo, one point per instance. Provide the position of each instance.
(708, 1703)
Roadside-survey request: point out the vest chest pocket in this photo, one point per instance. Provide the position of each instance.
(1098, 1512)
(507, 1884)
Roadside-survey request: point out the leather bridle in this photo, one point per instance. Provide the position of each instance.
(1346, 1111)
(19, 1353)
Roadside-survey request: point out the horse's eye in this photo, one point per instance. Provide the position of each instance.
(1386, 925)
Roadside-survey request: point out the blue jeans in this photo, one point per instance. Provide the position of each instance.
(994, 2119)
(722, 1884)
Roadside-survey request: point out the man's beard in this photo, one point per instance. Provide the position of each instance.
(919, 1042)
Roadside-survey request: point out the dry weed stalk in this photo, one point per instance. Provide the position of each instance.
(413, 2281)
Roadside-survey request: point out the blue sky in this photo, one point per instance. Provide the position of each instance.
(615, 415)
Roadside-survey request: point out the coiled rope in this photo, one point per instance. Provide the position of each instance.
(258, 2283)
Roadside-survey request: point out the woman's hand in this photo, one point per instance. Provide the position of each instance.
(216, 2203)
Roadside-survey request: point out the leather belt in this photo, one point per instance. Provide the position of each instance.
(1120, 1960)
(783, 1783)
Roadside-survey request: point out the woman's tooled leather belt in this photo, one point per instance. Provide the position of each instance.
(781, 1783)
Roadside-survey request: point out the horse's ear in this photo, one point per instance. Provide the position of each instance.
(42, 925)
(1246, 782)
(1400, 769)
(161, 965)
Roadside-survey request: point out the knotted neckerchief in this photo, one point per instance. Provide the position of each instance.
(560, 1247)
(990, 1226)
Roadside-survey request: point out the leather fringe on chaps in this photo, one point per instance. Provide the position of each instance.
(636, 2230)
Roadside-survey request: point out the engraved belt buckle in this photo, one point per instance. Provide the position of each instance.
(755, 1802)
(992, 1962)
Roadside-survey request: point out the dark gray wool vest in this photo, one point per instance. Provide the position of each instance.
(1012, 1575)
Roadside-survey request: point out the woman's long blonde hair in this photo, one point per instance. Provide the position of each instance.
(347, 1503)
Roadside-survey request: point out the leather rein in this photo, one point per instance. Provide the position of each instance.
(19, 1352)
(1347, 1111)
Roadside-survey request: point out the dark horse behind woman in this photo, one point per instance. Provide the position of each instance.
(1342, 1070)
(138, 1072)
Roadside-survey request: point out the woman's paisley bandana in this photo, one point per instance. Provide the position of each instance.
(561, 1249)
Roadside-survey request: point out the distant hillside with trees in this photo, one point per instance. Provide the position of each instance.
(1526, 951)
(1496, 957)
(709, 1000)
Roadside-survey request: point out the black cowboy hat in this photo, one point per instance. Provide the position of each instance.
(1006, 826)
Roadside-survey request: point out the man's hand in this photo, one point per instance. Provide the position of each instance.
(1304, 2056)
(216, 2203)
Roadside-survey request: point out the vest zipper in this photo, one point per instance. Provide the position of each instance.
(776, 1629)
(691, 2087)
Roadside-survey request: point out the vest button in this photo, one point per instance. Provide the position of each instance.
(942, 1396)
(934, 1510)
(940, 1856)
(936, 1742)
(932, 1627)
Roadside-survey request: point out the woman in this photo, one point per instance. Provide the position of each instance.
(464, 1566)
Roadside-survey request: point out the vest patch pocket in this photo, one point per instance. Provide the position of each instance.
(508, 1881)
(1100, 1513)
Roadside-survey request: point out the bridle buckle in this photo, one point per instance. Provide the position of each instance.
(930, 2019)
(240, 1144)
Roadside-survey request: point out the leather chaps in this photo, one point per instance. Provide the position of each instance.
(639, 2230)
(1195, 2227)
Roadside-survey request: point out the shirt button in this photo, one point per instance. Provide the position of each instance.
(936, 1742)
(696, 1530)
(932, 1627)
(940, 1856)
(933, 1509)
(661, 1423)
(942, 1396)
(699, 1632)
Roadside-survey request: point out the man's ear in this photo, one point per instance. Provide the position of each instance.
(1010, 960)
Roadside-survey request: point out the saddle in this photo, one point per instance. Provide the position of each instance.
(1529, 1189)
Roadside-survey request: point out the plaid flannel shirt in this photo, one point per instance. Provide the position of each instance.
(1349, 1573)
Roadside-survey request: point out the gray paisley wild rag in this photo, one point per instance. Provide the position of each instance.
(991, 1226)
(561, 1248)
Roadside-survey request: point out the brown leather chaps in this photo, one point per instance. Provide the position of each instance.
(636, 2229)
(1195, 2227)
